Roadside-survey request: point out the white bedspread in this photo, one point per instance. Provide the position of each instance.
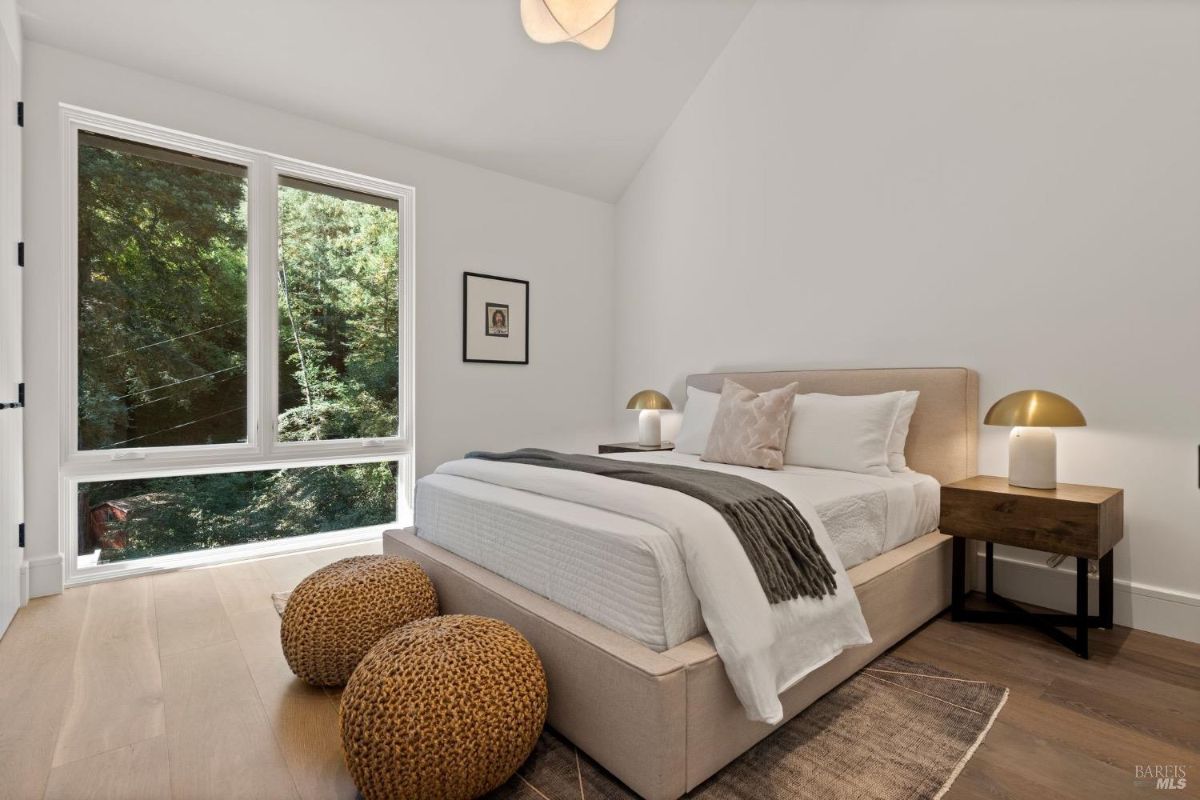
(865, 515)
(765, 648)
(626, 574)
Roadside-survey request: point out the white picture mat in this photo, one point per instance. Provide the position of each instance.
(480, 292)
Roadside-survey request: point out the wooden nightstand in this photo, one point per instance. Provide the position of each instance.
(634, 447)
(1080, 521)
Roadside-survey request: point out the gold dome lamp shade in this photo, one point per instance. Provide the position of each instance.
(1032, 446)
(649, 403)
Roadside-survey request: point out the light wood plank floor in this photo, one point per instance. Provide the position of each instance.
(174, 686)
(167, 686)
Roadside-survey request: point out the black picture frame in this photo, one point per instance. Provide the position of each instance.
(466, 319)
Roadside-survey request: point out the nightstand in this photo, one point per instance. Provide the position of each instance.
(1083, 522)
(634, 447)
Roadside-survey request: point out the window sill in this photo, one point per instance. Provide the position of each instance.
(225, 555)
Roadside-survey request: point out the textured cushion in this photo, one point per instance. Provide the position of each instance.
(442, 709)
(340, 611)
(698, 416)
(849, 433)
(908, 404)
(750, 429)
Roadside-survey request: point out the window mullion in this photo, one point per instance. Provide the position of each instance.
(263, 214)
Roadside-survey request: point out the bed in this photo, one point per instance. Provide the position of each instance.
(627, 574)
(634, 681)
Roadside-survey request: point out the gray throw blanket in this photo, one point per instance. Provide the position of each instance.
(776, 537)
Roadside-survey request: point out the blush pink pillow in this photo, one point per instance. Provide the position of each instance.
(750, 429)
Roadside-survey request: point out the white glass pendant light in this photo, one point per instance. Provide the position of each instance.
(584, 22)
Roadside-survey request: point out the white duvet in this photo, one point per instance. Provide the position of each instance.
(765, 648)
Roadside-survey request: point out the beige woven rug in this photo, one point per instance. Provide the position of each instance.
(897, 729)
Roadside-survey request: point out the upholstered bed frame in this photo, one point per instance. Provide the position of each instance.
(664, 722)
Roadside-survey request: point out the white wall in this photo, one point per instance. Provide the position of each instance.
(467, 219)
(10, 22)
(1009, 186)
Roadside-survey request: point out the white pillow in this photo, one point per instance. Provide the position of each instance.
(849, 433)
(908, 404)
(698, 416)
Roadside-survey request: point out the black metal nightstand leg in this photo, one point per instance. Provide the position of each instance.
(1081, 607)
(1049, 623)
(958, 577)
(991, 591)
(1106, 591)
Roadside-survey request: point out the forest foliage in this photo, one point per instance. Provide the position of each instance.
(163, 349)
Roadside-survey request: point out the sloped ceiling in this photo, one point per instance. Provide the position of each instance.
(454, 77)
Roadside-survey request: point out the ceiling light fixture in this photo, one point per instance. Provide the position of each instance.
(585, 22)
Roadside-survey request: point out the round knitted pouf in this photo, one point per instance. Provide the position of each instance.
(442, 709)
(340, 611)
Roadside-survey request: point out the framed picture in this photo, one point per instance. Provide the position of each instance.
(495, 319)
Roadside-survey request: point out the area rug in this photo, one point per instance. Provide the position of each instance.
(897, 729)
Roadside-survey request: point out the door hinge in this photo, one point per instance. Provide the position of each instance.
(20, 398)
(21, 534)
(20, 254)
(20, 113)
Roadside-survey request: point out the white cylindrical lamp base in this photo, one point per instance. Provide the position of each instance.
(649, 428)
(1033, 458)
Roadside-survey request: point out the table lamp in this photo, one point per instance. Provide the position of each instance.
(649, 402)
(1032, 447)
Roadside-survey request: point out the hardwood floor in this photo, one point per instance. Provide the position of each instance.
(167, 686)
(174, 686)
(1073, 728)
(116, 685)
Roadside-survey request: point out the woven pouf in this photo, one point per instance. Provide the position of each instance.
(442, 709)
(340, 611)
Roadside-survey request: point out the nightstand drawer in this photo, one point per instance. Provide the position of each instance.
(1084, 522)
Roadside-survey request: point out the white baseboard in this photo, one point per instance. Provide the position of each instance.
(23, 584)
(45, 575)
(1148, 608)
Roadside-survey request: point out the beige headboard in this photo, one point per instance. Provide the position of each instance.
(944, 434)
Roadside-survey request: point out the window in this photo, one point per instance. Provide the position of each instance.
(148, 517)
(162, 297)
(338, 313)
(238, 367)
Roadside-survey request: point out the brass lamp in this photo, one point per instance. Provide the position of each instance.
(649, 403)
(1032, 447)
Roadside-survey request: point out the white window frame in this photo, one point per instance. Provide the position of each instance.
(260, 450)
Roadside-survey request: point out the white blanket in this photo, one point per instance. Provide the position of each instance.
(765, 648)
